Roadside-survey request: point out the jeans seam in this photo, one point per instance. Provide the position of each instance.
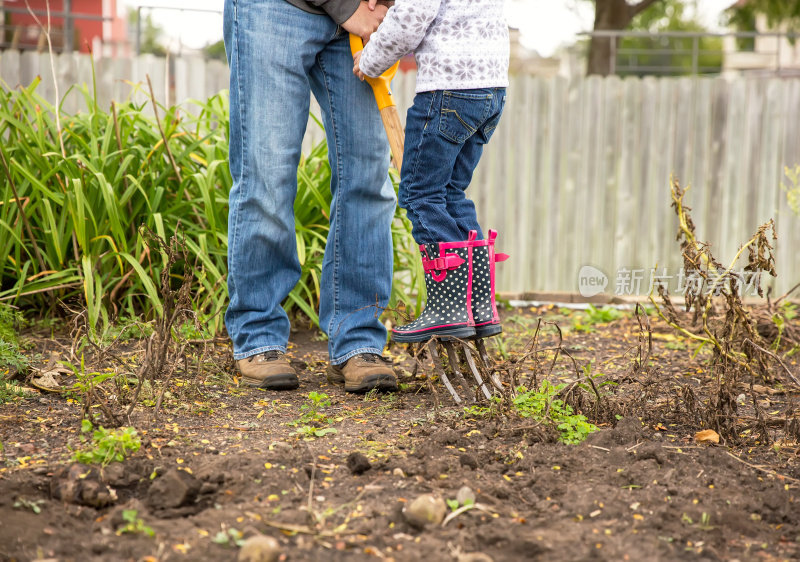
(337, 152)
(242, 145)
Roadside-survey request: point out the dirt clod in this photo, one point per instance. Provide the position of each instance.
(82, 485)
(357, 463)
(175, 488)
(468, 460)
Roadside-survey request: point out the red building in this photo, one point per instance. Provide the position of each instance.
(95, 26)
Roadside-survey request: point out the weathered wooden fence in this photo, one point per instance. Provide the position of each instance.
(578, 172)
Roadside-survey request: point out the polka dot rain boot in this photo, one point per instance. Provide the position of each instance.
(484, 307)
(448, 280)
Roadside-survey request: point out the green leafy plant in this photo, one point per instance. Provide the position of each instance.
(107, 445)
(586, 321)
(10, 391)
(230, 537)
(11, 352)
(312, 410)
(71, 217)
(596, 379)
(542, 405)
(454, 504)
(312, 420)
(34, 505)
(134, 524)
(311, 432)
(786, 312)
(479, 411)
(792, 188)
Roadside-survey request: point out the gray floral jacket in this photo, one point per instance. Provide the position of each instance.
(458, 44)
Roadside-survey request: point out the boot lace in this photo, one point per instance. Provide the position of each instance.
(266, 356)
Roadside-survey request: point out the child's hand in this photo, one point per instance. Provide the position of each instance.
(357, 67)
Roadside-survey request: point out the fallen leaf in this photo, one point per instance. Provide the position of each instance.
(707, 436)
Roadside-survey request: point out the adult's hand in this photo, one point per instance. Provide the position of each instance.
(366, 19)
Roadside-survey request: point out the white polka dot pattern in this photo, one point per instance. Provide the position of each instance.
(482, 296)
(447, 299)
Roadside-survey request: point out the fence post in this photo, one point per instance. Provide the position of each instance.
(695, 55)
(138, 31)
(69, 33)
(613, 51)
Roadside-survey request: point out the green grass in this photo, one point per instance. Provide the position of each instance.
(72, 223)
(11, 351)
(586, 321)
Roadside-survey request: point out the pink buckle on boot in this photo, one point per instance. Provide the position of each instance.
(449, 261)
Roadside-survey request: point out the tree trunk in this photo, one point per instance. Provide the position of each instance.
(610, 15)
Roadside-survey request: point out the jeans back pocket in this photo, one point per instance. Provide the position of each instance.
(463, 113)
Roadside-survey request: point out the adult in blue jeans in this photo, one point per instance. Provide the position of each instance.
(280, 51)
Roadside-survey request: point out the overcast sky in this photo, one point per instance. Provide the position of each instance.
(544, 24)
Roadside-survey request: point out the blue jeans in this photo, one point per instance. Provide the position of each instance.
(278, 55)
(445, 134)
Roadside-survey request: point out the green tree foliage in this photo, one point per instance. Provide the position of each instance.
(743, 14)
(668, 55)
(215, 51)
(150, 33)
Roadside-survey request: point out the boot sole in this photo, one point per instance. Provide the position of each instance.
(381, 383)
(464, 332)
(288, 381)
(487, 331)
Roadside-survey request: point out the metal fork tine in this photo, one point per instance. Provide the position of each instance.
(452, 356)
(484, 356)
(437, 363)
(475, 372)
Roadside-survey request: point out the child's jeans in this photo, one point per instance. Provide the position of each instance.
(445, 134)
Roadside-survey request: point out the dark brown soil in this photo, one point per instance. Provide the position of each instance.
(224, 459)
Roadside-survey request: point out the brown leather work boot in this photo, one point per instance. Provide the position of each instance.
(270, 370)
(363, 373)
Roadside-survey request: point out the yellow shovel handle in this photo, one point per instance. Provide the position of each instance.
(383, 95)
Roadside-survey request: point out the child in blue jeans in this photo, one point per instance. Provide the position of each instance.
(461, 49)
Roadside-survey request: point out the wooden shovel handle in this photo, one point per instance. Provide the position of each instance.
(383, 96)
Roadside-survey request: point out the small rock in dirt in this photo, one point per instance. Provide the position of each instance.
(174, 489)
(358, 463)
(424, 510)
(469, 461)
(399, 472)
(260, 548)
(280, 446)
(465, 496)
(81, 484)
